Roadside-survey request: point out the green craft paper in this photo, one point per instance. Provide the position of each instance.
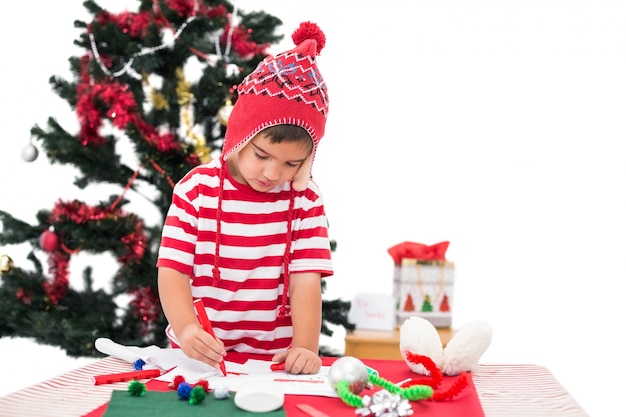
(167, 404)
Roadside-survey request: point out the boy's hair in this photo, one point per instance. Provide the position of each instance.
(288, 133)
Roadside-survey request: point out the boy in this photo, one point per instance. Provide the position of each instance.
(247, 233)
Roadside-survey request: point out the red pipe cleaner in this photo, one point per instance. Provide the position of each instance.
(436, 377)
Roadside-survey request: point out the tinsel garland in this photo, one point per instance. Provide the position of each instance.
(122, 111)
(145, 304)
(122, 108)
(58, 267)
(58, 259)
(185, 100)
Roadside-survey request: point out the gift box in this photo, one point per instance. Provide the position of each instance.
(423, 282)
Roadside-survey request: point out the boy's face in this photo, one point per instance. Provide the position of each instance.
(264, 165)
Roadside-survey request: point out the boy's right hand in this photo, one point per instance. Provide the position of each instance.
(200, 345)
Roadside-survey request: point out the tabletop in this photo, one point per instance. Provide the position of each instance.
(504, 390)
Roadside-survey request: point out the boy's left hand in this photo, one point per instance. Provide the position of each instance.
(299, 360)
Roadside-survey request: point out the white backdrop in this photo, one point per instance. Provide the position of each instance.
(495, 125)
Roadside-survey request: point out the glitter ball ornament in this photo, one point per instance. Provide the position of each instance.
(6, 264)
(29, 153)
(49, 241)
(351, 369)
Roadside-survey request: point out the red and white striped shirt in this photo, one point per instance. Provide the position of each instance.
(243, 303)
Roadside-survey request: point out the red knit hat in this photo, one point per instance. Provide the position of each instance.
(285, 89)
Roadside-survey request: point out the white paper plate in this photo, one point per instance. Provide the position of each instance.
(260, 398)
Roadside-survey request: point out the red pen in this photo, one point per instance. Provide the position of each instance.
(206, 325)
(277, 366)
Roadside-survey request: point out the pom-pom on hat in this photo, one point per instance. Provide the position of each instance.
(285, 89)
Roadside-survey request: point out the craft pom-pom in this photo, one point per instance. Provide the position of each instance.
(178, 379)
(197, 395)
(137, 388)
(138, 364)
(220, 391)
(204, 384)
(184, 390)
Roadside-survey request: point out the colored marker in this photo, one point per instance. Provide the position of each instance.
(206, 325)
(277, 366)
(124, 376)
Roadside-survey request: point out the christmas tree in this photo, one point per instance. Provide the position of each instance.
(445, 304)
(427, 305)
(152, 94)
(408, 304)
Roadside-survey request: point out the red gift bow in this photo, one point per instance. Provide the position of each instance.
(413, 250)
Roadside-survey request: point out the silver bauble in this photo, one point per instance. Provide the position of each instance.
(351, 369)
(29, 153)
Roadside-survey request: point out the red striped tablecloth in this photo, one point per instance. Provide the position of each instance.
(504, 390)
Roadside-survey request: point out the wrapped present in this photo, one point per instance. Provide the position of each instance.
(423, 282)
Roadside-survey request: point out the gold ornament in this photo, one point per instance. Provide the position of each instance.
(6, 264)
(158, 100)
(156, 97)
(224, 112)
(185, 99)
(203, 151)
(183, 89)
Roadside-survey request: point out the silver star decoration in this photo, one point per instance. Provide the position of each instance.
(385, 404)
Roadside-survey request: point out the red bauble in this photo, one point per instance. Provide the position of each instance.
(49, 241)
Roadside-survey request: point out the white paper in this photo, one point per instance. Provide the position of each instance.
(154, 356)
(175, 363)
(259, 372)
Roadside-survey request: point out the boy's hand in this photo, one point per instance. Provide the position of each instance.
(200, 345)
(299, 360)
